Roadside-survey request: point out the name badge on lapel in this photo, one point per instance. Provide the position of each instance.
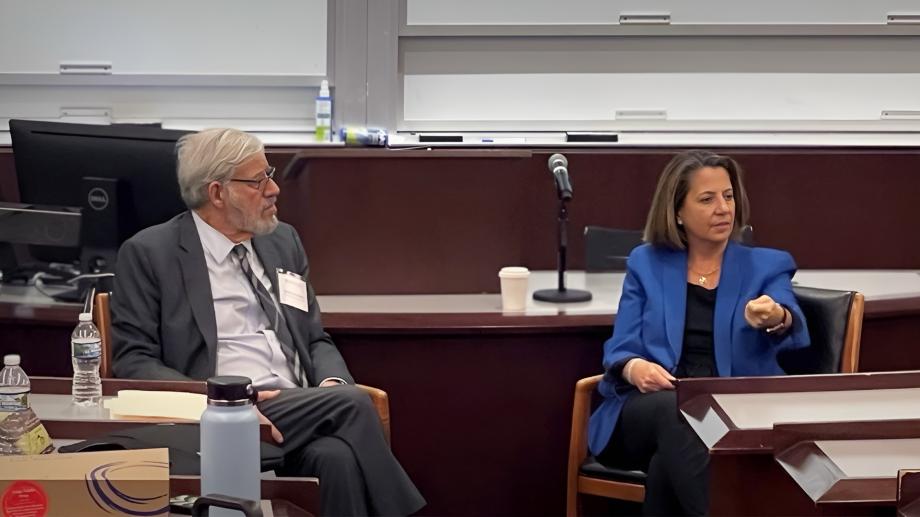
(292, 290)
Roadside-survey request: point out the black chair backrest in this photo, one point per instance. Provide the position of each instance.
(827, 312)
(747, 235)
(606, 249)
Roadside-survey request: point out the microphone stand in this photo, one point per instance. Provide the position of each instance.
(561, 294)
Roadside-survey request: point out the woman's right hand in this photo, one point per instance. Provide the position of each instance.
(647, 376)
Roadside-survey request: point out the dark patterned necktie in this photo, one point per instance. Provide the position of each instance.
(276, 321)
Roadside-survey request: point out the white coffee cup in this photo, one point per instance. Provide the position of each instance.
(514, 287)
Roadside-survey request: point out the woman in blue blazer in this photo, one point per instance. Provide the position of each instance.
(694, 304)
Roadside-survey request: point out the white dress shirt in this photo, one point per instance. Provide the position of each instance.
(245, 343)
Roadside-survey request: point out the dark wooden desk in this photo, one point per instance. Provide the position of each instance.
(481, 401)
(51, 402)
(909, 493)
(849, 466)
(735, 418)
(289, 497)
(486, 393)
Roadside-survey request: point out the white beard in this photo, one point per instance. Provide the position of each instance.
(247, 223)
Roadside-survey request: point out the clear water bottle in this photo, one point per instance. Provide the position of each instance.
(323, 120)
(86, 349)
(230, 442)
(15, 418)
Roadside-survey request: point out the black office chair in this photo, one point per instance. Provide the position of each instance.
(747, 235)
(835, 327)
(606, 249)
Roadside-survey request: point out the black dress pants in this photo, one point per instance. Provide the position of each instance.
(335, 434)
(652, 437)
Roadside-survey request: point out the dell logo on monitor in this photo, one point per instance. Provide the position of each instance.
(98, 199)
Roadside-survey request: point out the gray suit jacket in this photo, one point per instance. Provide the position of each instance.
(163, 322)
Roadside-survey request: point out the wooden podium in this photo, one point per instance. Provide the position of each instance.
(749, 422)
(848, 464)
(909, 493)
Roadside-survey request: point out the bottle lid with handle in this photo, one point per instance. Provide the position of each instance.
(86, 316)
(11, 360)
(230, 390)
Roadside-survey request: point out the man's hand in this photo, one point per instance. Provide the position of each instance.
(648, 376)
(763, 312)
(268, 395)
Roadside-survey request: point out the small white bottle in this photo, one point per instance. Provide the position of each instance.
(86, 349)
(324, 113)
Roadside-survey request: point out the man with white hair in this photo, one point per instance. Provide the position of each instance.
(223, 289)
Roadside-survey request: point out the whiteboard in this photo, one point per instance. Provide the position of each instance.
(162, 38)
(601, 12)
(577, 98)
(248, 108)
(678, 83)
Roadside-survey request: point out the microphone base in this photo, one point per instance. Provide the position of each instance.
(562, 296)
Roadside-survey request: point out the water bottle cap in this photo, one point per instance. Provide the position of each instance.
(11, 360)
(324, 88)
(230, 390)
(86, 316)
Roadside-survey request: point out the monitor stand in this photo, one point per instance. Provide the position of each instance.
(99, 229)
(99, 237)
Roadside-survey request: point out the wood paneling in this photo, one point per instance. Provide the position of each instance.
(440, 221)
(409, 223)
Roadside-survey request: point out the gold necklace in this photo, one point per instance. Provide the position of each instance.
(703, 277)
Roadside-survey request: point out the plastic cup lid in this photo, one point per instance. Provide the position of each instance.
(513, 272)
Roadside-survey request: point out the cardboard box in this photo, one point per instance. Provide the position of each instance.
(128, 483)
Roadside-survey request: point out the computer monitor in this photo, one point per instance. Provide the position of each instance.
(122, 176)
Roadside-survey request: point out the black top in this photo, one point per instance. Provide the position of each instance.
(698, 356)
(697, 359)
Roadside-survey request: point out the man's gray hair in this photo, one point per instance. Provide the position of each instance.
(211, 155)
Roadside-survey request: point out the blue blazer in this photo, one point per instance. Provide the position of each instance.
(650, 320)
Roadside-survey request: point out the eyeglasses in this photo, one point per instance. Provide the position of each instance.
(259, 184)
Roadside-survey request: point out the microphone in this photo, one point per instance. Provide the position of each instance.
(558, 166)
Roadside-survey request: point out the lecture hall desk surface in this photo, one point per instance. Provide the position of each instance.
(479, 398)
